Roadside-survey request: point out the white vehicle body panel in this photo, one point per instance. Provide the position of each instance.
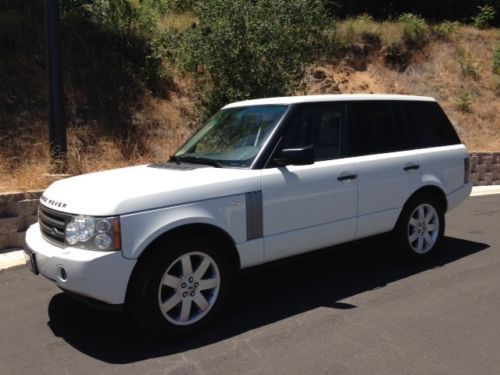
(443, 166)
(384, 187)
(143, 188)
(141, 228)
(306, 207)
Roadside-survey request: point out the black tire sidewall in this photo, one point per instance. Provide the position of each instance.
(401, 233)
(145, 300)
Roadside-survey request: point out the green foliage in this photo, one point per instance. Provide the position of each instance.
(464, 102)
(446, 29)
(484, 17)
(246, 49)
(415, 30)
(496, 59)
(181, 5)
(120, 16)
(496, 85)
(360, 28)
(469, 68)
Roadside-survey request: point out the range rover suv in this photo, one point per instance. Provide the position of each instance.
(261, 180)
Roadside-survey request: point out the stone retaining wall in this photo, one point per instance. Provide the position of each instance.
(485, 168)
(19, 210)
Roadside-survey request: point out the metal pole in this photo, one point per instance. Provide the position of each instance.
(57, 125)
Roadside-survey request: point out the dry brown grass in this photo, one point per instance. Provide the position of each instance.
(444, 69)
(157, 130)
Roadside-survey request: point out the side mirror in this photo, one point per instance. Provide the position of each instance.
(295, 156)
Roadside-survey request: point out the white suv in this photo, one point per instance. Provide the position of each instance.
(262, 180)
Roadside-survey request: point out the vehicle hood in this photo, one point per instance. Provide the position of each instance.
(145, 187)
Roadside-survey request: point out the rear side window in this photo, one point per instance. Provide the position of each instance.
(428, 125)
(320, 125)
(376, 128)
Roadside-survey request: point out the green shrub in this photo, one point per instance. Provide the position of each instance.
(484, 17)
(496, 59)
(361, 28)
(464, 102)
(416, 30)
(246, 49)
(496, 85)
(446, 29)
(180, 5)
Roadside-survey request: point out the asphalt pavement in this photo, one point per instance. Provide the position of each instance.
(355, 309)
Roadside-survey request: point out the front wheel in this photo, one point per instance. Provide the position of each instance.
(181, 287)
(420, 227)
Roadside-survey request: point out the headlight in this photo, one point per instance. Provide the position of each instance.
(102, 233)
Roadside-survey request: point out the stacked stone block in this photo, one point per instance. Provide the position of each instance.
(485, 168)
(17, 212)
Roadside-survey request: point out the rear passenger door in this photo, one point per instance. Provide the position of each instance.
(388, 171)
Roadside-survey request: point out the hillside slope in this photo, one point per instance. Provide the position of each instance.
(457, 71)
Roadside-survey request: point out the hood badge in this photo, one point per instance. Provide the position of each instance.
(52, 202)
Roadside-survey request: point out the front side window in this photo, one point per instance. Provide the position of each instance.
(233, 136)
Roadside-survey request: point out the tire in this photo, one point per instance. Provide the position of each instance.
(420, 228)
(181, 286)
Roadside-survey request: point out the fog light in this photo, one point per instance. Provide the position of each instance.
(61, 274)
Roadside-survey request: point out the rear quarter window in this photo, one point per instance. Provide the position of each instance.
(428, 125)
(376, 128)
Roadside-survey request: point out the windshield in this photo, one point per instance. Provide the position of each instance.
(232, 137)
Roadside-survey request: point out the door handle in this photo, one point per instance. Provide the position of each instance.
(347, 177)
(411, 167)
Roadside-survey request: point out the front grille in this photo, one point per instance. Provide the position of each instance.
(52, 224)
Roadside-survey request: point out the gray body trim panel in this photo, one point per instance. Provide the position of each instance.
(255, 228)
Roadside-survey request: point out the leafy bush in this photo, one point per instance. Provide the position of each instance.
(358, 29)
(415, 30)
(496, 59)
(446, 29)
(180, 5)
(239, 51)
(464, 102)
(484, 17)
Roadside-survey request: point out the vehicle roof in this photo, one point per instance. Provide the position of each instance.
(327, 98)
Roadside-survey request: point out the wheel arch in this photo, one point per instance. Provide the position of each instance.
(430, 190)
(200, 229)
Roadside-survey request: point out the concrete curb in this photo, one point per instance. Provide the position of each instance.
(11, 259)
(485, 190)
(15, 257)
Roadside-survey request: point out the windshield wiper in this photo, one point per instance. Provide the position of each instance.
(175, 159)
(197, 160)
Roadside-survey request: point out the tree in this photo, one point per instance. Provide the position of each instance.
(245, 49)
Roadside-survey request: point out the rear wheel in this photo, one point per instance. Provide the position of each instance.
(181, 287)
(420, 227)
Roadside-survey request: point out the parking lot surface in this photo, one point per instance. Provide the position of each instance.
(354, 310)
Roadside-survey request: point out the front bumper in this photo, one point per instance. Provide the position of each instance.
(99, 275)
